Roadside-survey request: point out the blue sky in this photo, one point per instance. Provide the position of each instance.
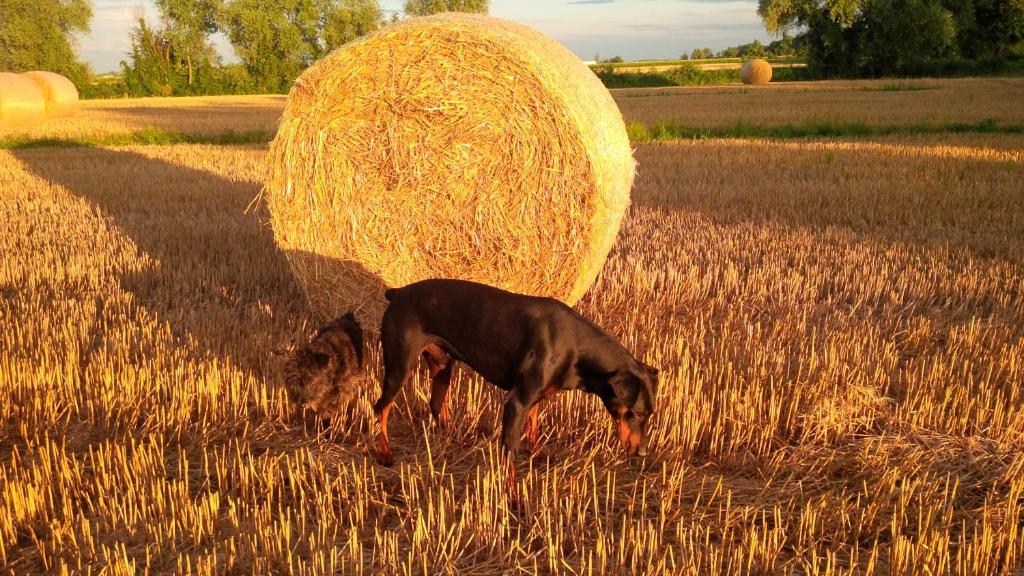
(633, 29)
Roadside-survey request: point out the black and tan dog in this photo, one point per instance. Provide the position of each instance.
(532, 347)
(326, 374)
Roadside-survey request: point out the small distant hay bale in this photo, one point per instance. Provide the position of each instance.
(21, 100)
(60, 94)
(454, 146)
(756, 72)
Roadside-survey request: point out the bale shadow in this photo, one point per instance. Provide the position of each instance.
(212, 272)
(207, 119)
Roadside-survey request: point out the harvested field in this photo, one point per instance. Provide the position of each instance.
(871, 102)
(201, 116)
(840, 327)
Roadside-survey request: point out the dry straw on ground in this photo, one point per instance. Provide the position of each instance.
(59, 93)
(21, 100)
(447, 146)
(756, 72)
(842, 389)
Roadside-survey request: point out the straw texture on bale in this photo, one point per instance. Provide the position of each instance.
(756, 72)
(21, 100)
(59, 93)
(456, 146)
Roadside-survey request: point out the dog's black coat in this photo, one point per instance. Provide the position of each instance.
(530, 346)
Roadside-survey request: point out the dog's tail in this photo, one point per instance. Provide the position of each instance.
(390, 293)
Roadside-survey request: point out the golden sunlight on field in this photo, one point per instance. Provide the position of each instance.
(201, 116)
(873, 103)
(840, 328)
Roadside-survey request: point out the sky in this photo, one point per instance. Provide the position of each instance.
(633, 29)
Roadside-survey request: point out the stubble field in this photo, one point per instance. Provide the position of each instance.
(839, 324)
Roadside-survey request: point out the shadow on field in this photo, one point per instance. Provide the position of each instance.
(217, 118)
(216, 277)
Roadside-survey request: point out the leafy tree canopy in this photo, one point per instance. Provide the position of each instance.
(425, 7)
(277, 39)
(876, 37)
(40, 35)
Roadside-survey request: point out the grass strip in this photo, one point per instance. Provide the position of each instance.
(637, 133)
(147, 136)
(817, 129)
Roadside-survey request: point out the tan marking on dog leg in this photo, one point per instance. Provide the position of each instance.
(532, 428)
(383, 445)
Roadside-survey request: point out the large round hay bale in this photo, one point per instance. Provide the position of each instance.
(60, 94)
(756, 72)
(21, 100)
(449, 146)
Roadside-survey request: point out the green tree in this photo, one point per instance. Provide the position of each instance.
(277, 39)
(875, 37)
(425, 7)
(901, 36)
(346, 20)
(988, 28)
(41, 35)
(151, 70)
(780, 15)
(785, 46)
(188, 25)
(166, 61)
(274, 39)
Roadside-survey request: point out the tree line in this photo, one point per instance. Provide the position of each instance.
(786, 46)
(901, 37)
(274, 40)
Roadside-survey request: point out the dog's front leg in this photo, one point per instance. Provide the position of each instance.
(512, 422)
(532, 429)
(517, 409)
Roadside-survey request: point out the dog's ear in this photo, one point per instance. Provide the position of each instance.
(351, 317)
(320, 359)
(626, 386)
(651, 370)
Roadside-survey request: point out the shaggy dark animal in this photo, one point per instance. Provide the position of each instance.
(326, 374)
(533, 347)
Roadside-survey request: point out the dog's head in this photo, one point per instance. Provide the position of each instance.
(632, 403)
(325, 375)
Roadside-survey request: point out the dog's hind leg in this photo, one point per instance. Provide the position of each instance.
(400, 360)
(440, 365)
(439, 395)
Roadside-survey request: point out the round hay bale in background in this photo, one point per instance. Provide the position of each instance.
(60, 94)
(756, 72)
(21, 100)
(449, 146)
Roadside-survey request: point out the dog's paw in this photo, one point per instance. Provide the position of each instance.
(384, 458)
